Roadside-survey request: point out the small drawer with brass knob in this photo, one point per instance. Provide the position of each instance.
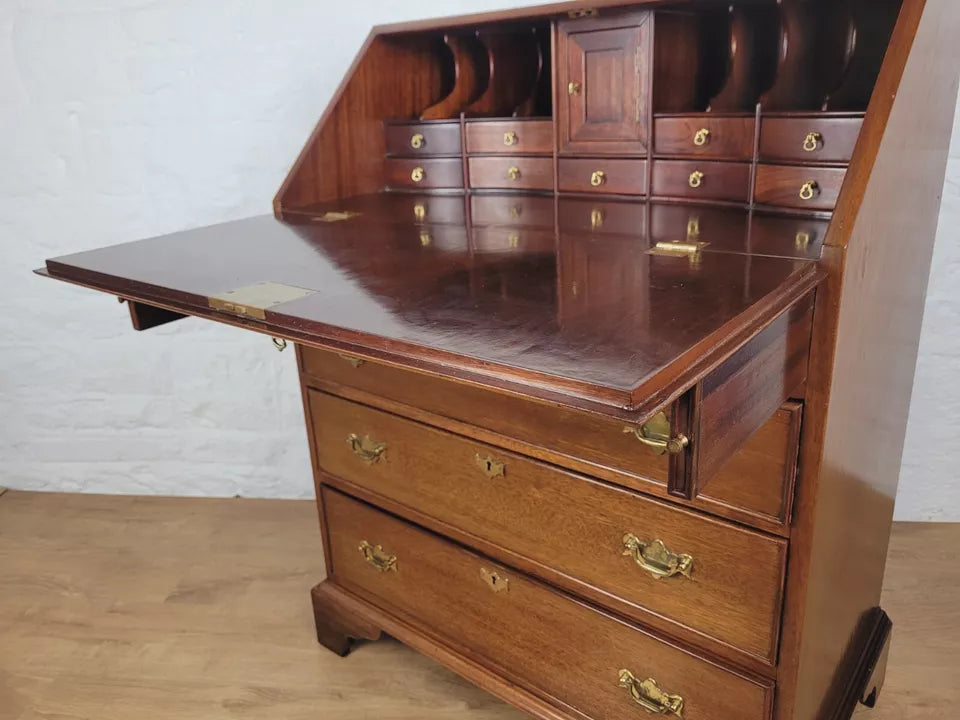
(603, 175)
(706, 180)
(717, 137)
(808, 188)
(511, 210)
(511, 173)
(426, 173)
(810, 138)
(513, 137)
(494, 240)
(422, 139)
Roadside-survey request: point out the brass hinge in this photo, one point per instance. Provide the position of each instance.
(254, 300)
(689, 250)
(583, 13)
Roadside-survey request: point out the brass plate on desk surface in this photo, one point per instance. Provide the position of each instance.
(253, 300)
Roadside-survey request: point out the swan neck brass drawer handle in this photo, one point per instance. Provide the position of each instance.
(376, 557)
(655, 434)
(656, 559)
(696, 179)
(418, 141)
(702, 137)
(648, 695)
(513, 173)
(812, 142)
(810, 190)
(418, 174)
(279, 343)
(365, 448)
(490, 467)
(510, 138)
(598, 178)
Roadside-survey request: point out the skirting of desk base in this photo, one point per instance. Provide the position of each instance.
(342, 618)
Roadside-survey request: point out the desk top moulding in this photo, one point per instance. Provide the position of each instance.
(650, 270)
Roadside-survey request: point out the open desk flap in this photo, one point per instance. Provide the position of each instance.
(604, 324)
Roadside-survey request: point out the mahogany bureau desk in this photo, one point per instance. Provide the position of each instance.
(606, 320)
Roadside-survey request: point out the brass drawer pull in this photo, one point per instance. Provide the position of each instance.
(375, 556)
(696, 179)
(598, 178)
(418, 141)
(490, 467)
(648, 695)
(279, 343)
(810, 190)
(355, 361)
(365, 448)
(812, 142)
(656, 559)
(418, 174)
(513, 173)
(510, 138)
(702, 137)
(573, 88)
(494, 580)
(655, 434)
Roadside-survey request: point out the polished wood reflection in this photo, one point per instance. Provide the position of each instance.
(586, 313)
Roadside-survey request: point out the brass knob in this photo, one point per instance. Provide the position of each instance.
(696, 179)
(510, 138)
(574, 88)
(598, 178)
(702, 137)
(419, 211)
(513, 173)
(810, 190)
(418, 174)
(417, 141)
(812, 142)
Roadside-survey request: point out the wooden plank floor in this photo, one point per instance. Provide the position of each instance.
(114, 608)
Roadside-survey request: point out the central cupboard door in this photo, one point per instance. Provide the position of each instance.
(603, 75)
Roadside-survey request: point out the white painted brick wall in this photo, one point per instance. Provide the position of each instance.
(123, 119)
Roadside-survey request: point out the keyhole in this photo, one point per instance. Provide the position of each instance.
(489, 464)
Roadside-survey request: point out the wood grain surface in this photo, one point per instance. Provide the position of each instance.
(190, 609)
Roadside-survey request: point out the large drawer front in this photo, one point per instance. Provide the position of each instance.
(566, 523)
(587, 442)
(537, 637)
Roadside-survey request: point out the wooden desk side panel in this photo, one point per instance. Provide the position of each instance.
(866, 334)
(389, 78)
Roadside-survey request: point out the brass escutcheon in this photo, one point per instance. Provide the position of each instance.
(696, 179)
(810, 190)
(490, 467)
(494, 580)
(803, 240)
(597, 216)
(510, 138)
(418, 174)
(418, 141)
(420, 211)
(425, 239)
(573, 88)
(598, 178)
(513, 240)
(702, 137)
(812, 142)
